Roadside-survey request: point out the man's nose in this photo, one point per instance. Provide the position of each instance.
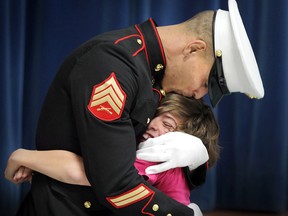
(201, 92)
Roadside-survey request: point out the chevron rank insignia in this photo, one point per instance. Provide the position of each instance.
(132, 196)
(107, 100)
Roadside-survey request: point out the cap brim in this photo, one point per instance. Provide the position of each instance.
(253, 84)
(238, 70)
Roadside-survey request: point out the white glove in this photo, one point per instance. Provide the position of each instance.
(174, 149)
(195, 207)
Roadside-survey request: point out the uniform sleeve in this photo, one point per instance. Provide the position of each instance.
(103, 88)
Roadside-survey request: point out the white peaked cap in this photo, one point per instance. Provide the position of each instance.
(234, 58)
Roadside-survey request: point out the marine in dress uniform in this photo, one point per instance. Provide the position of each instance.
(102, 96)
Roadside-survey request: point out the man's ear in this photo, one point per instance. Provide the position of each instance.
(194, 46)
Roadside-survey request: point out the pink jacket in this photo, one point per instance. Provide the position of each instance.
(171, 182)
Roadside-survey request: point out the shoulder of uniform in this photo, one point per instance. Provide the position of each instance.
(134, 42)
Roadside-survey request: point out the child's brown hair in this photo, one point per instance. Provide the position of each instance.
(197, 119)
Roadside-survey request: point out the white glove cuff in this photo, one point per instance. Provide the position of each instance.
(196, 209)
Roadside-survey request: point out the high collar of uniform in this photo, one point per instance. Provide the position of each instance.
(154, 49)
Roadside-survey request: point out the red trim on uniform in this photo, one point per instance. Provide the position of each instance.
(207, 165)
(159, 40)
(144, 44)
(134, 35)
(160, 95)
(136, 53)
(147, 213)
(126, 37)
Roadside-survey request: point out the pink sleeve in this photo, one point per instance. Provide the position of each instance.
(141, 165)
(172, 182)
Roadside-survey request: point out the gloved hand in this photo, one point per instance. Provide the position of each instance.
(195, 207)
(174, 149)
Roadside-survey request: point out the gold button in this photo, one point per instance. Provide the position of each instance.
(153, 81)
(155, 207)
(158, 67)
(163, 92)
(139, 41)
(87, 204)
(148, 120)
(218, 53)
(169, 214)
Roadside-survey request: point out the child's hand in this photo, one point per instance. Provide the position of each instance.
(14, 172)
(23, 174)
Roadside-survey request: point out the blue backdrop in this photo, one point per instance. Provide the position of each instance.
(36, 35)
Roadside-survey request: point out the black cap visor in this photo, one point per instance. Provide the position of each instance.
(217, 87)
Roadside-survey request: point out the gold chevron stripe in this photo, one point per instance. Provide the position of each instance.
(111, 82)
(108, 99)
(109, 91)
(133, 196)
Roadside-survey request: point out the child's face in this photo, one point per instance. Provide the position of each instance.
(161, 124)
